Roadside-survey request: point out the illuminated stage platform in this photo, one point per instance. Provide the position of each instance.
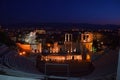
(64, 65)
(62, 58)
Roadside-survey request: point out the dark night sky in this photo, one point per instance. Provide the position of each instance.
(79, 11)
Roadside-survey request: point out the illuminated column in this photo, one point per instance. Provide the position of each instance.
(40, 48)
(65, 37)
(68, 42)
(68, 37)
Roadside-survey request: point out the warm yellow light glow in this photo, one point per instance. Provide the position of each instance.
(61, 58)
(87, 40)
(88, 46)
(28, 48)
(39, 47)
(78, 57)
(55, 48)
(20, 53)
(48, 45)
(23, 52)
(74, 50)
(25, 47)
(88, 57)
(87, 37)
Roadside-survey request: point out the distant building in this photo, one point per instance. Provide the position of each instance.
(41, 31)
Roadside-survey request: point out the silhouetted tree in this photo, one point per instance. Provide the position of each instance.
(4, 39)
